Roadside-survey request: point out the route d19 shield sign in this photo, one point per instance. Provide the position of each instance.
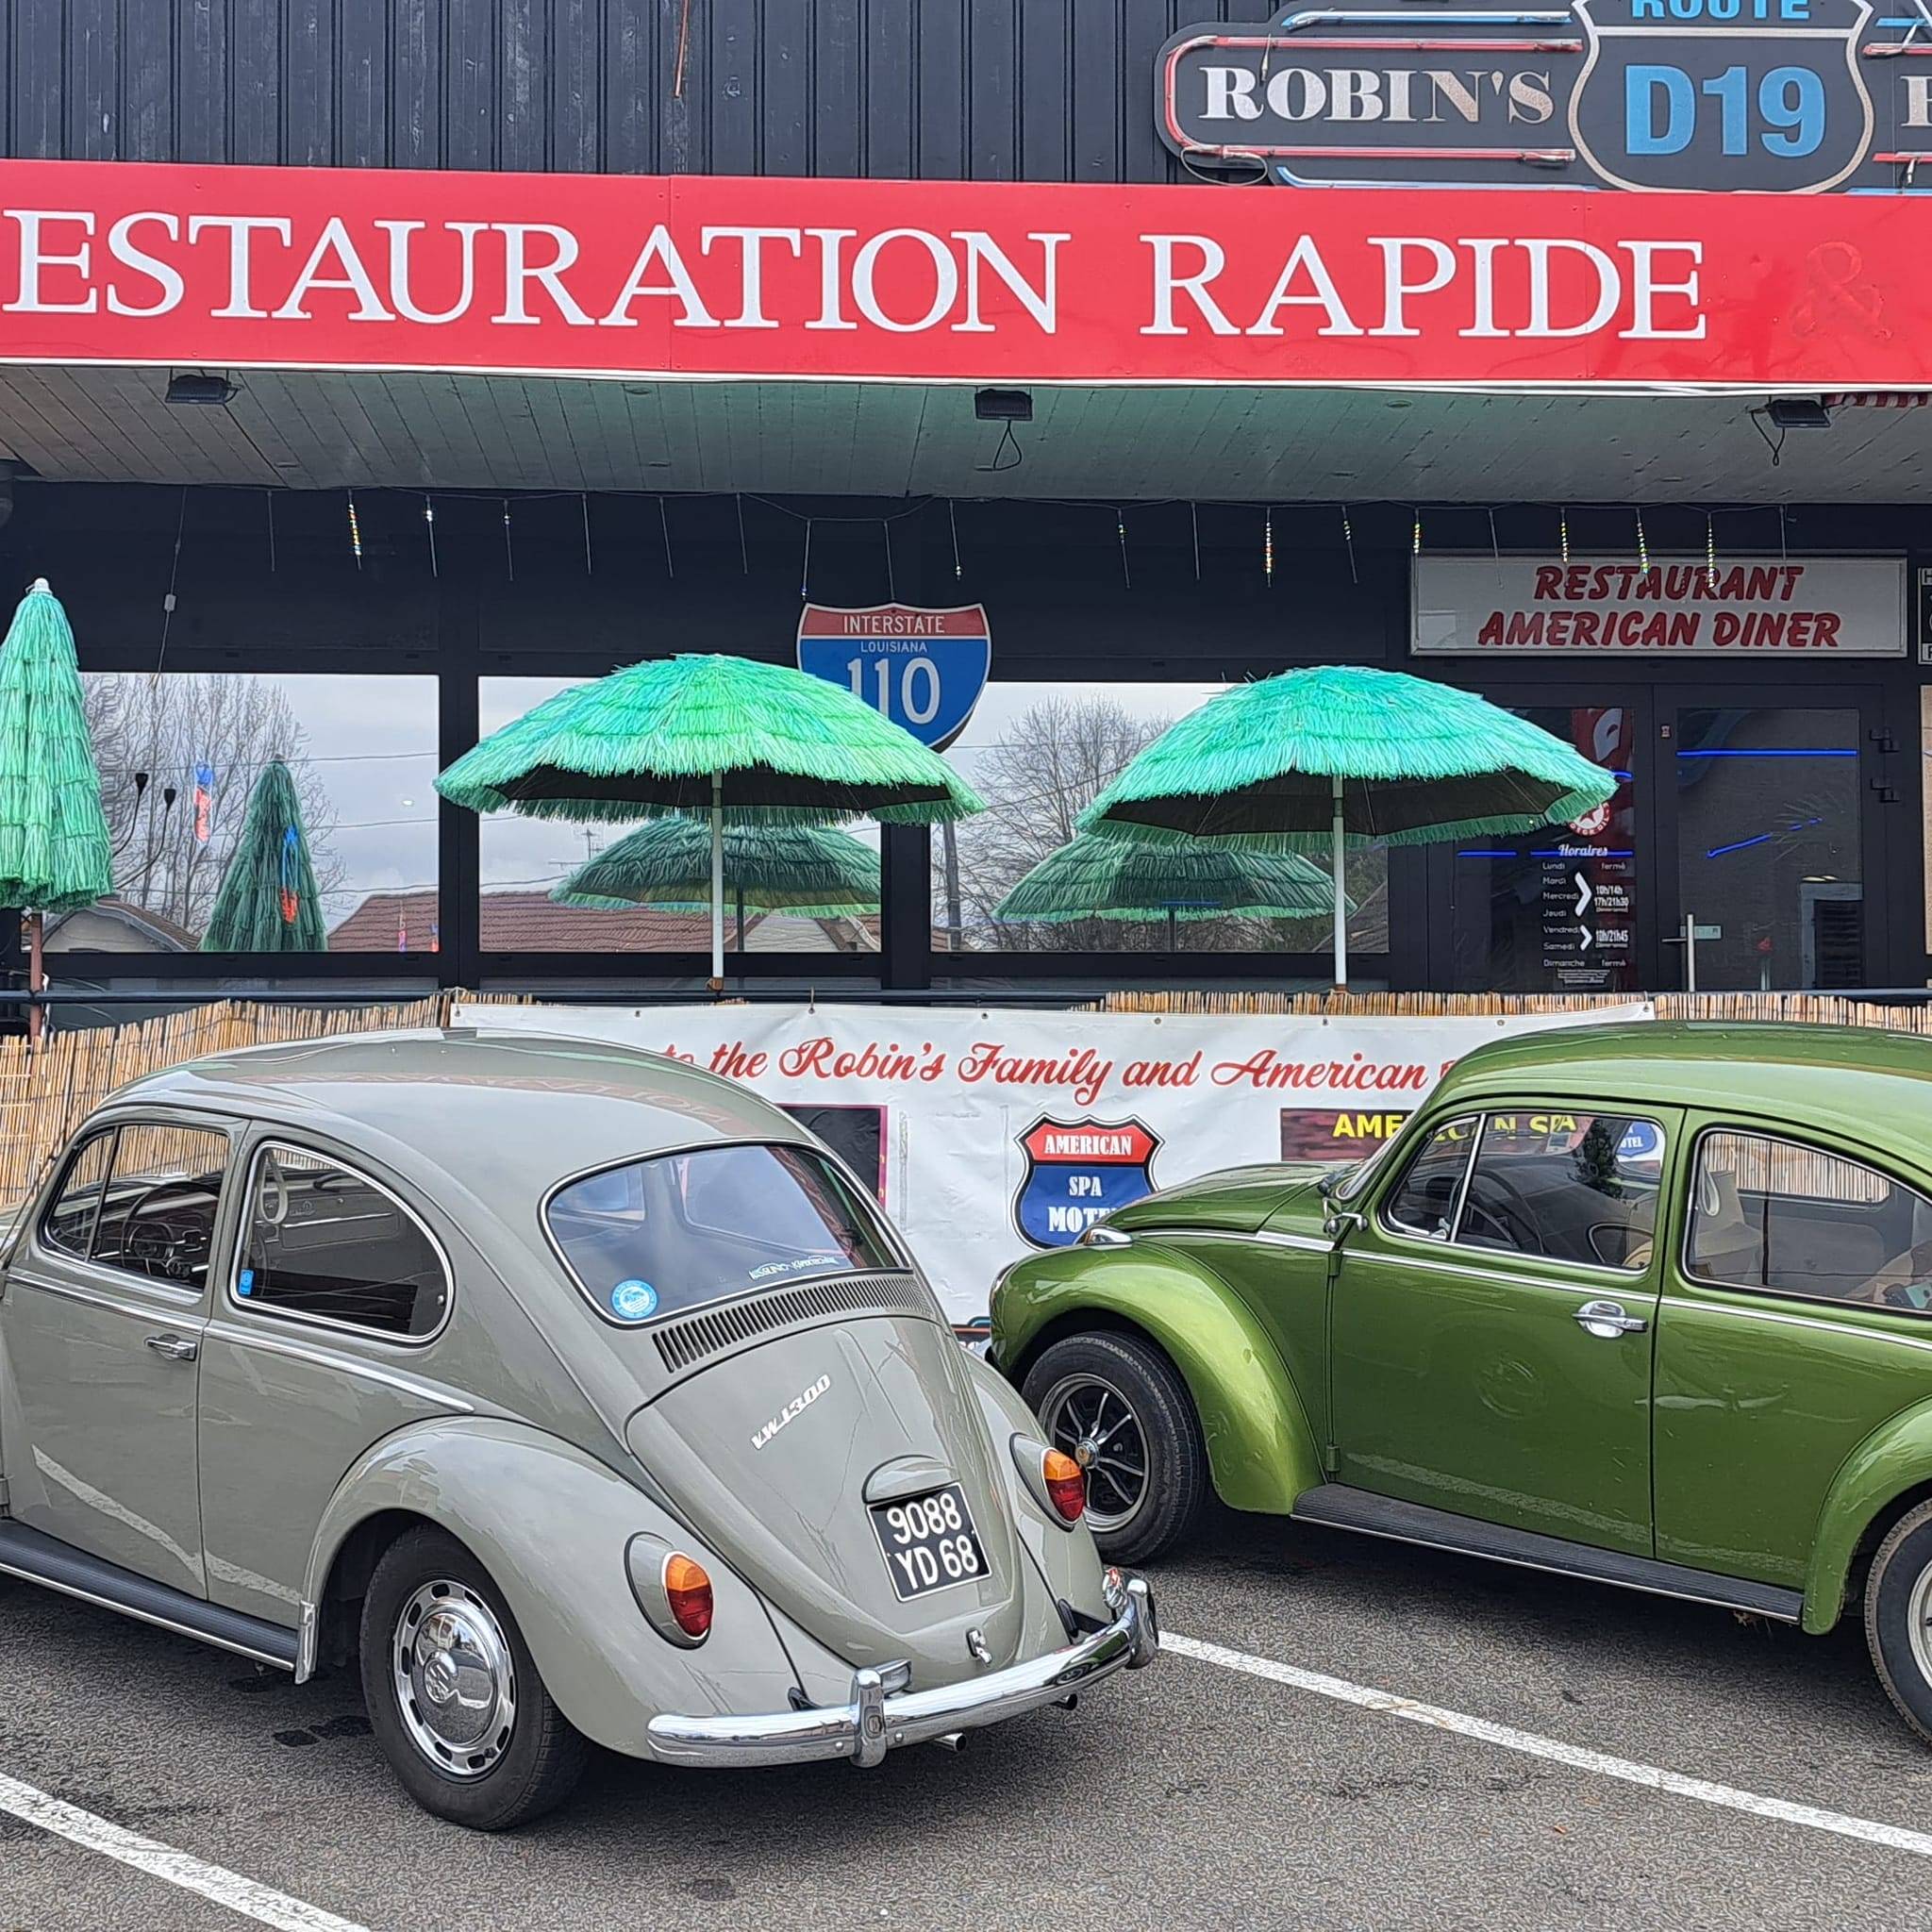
(1778, 96)
(923, 669)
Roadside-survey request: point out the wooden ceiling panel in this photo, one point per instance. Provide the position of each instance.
(325, 431)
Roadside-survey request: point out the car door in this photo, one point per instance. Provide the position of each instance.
(321, 1341)
(1796, 1319)
(101, 1321)
(1492, 1320)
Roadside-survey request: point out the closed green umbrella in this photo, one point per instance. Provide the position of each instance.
(1341, 752)
(54, 849)
(1114, 878)
(666, 865)
(267, 901)
(746, 743)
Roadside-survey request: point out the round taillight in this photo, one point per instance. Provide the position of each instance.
(1066, 1484)
(688, 1590)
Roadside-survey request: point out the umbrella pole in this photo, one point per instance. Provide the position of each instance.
(717, 881)
(1340, 891)
(36, 975)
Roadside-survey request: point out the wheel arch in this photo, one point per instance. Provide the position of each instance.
(550, 1523)
(1887, 1476)
(339, 1607)
(1261, 1452)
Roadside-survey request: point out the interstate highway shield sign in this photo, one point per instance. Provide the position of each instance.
(1077, 1171)
(923, 669)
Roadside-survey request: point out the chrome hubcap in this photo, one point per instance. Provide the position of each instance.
(1919, 1622)
(1090, 1418)
(454, 1683)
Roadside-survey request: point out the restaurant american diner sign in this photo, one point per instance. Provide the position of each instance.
(702, 277)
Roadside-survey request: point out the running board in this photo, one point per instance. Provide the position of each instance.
(1341, 1507)
(44, 1559)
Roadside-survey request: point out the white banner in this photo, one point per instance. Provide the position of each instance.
(993, 1134)
(1768, 607)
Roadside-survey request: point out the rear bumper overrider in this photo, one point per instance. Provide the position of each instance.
(883, 1714)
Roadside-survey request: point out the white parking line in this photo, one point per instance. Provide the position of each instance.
(229, 1888)
(1653, 1778)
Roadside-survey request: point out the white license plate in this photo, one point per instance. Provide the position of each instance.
(930, 1542)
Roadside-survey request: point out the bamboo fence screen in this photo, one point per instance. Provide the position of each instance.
(45, 1094)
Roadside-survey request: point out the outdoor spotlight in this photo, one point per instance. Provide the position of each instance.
(1002, 405)
(1798, 412)
(200, 388)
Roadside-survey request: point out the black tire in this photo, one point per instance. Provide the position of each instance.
(1058, 1389)
(1897, 1587)
(525, 1767)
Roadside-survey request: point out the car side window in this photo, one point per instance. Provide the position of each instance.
(69, 1222)
(142, 1198)
(326, 1244)
(1567, 1185)
(1425, 1199)
(1781, 1218)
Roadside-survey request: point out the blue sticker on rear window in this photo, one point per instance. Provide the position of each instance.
(633, 1300)
(246, 1285)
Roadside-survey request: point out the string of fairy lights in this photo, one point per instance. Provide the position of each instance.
(1311, 518)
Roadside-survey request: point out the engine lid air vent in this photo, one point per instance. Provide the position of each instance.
(684, 1344)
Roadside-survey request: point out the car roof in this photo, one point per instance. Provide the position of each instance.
(468, 1099)
(1867, 1081)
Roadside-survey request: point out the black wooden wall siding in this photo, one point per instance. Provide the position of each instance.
(976, 90)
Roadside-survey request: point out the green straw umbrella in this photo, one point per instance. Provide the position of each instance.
(54, 848)
(748, 742)
(1341, 752)
(267, 901)
(666, 865)
(1112, 878)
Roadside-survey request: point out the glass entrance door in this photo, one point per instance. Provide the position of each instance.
(1557, 910)
(1772, 837)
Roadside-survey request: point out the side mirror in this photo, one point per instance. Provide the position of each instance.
(1341, 1224)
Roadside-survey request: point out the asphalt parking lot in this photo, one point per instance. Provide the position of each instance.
(1191, 1794)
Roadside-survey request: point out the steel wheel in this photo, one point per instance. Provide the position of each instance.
(1087, 1416)
(455, 1678)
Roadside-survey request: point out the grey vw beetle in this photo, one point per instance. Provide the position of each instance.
(576, 1393)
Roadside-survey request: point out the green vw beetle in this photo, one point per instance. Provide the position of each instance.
(1650, 1304)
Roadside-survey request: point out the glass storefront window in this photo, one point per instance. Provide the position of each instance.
(1769, 839)
(524, 859)
(182, 754)
(1039, 754)
(1556, 911)
(1925, 775)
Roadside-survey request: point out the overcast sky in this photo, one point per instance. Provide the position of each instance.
(370, 743)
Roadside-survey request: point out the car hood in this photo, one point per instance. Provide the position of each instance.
(1236, 1201)
(773, 1453)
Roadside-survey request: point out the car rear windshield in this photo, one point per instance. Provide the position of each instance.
(678, 1231)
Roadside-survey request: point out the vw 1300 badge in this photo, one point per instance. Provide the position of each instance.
(790, 1412)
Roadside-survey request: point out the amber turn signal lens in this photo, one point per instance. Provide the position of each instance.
(688, 1588)
(1066, 1483)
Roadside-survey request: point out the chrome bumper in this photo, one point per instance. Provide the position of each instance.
(884, 1714)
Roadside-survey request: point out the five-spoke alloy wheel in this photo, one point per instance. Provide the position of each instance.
(1898, 1616)
(1115, 1404)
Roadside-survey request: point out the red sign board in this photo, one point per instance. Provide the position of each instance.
(715, 276)
(1091, 1142)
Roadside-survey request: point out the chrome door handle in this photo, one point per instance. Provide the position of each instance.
(1607, 1321)
(177, 1348)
